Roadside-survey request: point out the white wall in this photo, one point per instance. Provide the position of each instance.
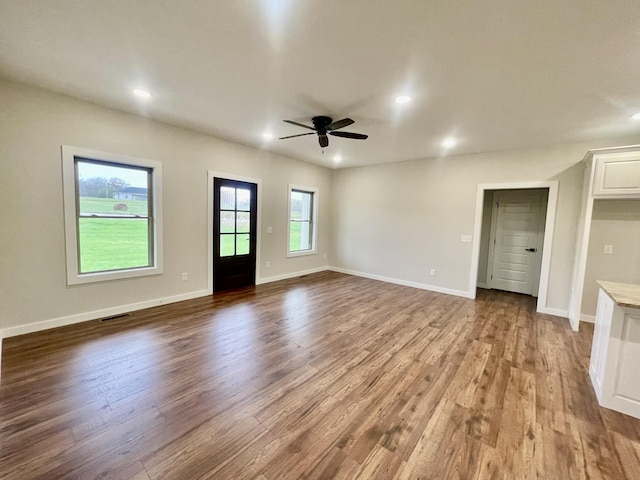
(33, 126)
(401, 220)
(617, 223)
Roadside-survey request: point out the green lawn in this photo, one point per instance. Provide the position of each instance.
(105, 205)
(295, 230)
(112, 244)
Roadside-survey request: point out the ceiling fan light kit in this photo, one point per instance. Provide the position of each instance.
(323, 126)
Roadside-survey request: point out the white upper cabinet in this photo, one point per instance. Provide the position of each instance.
(617, 175)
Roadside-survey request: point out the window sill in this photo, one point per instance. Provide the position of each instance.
(80, 279)
(301, 253)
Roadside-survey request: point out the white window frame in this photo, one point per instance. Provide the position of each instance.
(314, 220)
(70, 186)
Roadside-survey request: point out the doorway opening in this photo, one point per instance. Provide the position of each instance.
(511, 243)
(482, 237)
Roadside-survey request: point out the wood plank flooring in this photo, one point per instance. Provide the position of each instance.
(321, 377)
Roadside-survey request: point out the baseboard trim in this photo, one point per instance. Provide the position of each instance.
(1, 337)
(95, 314)
(555, 312)
(587, 318)
(286, 276)
(406, 283)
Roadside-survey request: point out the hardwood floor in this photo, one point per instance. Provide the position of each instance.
(326, 376)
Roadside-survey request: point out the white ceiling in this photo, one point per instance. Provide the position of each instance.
(494, 74)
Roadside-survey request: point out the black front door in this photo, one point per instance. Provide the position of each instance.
(235, 207)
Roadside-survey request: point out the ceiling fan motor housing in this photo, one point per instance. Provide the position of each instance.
(321, 123)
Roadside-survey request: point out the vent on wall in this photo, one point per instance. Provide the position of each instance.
(115, 317)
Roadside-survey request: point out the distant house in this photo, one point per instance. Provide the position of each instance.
(131, 193)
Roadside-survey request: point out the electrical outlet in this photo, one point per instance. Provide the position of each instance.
(432, 272)
(324, 256)
(268, 264)
(608, 249)
(185, 276)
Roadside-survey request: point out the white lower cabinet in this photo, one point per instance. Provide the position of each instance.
(615, 356)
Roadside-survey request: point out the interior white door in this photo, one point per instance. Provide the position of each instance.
(517, 242)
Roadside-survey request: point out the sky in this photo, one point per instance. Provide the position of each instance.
(134, 177)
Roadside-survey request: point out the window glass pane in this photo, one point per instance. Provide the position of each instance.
(294, 236)
(227, 245)
(111, 189)
(307, 200)
(242, 244)
(301, 203)
(113, 244)
(227, 198)
(299, 236)
(244, 199)
(227, 222)
(243, 219)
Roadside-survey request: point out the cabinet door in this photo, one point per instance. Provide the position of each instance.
(600, 344)
(617, 174)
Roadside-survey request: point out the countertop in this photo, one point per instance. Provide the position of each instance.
(624, 294)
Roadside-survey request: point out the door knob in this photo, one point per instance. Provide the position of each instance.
(530, 249)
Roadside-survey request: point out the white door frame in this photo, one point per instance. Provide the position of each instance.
(547, 242)
(211, 174)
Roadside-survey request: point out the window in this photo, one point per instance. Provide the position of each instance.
(112, 216)
(301, 238)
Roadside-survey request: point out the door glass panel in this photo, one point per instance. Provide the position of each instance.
(227, 245)
(227, 222)
(242, 244)
(242, 219)
(227, 198)
(244, 199)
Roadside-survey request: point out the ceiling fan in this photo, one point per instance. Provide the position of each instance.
(325, 125)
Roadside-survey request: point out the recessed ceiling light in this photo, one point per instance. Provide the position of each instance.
(403, 99)
(635, 116)
(337, 158)
(267, 136)
(138, 92)
(448, 143)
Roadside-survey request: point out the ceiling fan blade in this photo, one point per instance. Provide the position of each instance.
(345, 122)
(324, 140)
(299, 135)
(299, 124)
(356, 136)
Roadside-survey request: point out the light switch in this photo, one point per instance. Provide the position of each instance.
(465, 238)
(608, 249)
(269, 229)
